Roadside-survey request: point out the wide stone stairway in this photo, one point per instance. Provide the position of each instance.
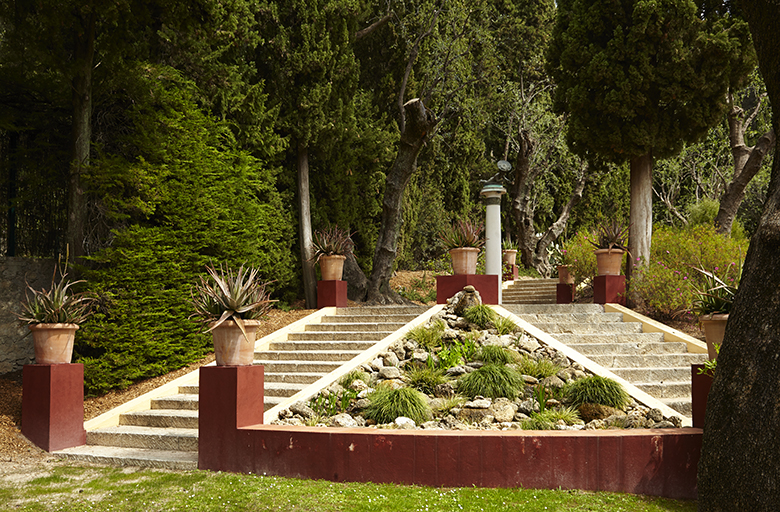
(530, 291)
(659, 368)
(166, 434)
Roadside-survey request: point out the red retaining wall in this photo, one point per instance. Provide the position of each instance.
(655, 462)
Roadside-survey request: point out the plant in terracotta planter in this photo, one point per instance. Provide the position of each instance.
(53, 316)
(332, 245)
(610, 244)
(713, 305)
(463, 241)
(509, 250)
(231, 304)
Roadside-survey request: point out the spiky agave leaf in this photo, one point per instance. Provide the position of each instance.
(56, 305)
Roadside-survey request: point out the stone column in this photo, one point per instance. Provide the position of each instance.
(491, 195)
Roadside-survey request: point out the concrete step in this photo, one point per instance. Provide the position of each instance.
(354, 327)
(128, 436)
(528, 300)
(382, 310)
(585, 328)
(576, 340)
(184, 401)
(345, 318)
(282, 389)
(653, 375)
(630, 348)
(161, 418)
(338, 336)
(191, 389)
(138, 457)
(297, 378)
(298, 346)
(649, 360)
(580, 318)
(307, 355)
(681, 405)
(520, 309)
(524, 283)
(299, 366)
(271, 401)
(666, 390)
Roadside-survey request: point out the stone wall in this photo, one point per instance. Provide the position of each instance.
(16, 348)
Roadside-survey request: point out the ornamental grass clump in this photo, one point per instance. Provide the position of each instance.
(387, 404)
(539, 368)
(424, 378)
(597, 390)
(493, 354)
(427, 336)
(492, 381)
(480, 315)
(504, 325)
(347, 380)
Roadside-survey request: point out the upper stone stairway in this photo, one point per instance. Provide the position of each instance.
(530, 291)
(166, 435)
(660, 368)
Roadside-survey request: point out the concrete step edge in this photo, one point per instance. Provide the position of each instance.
(135, 457)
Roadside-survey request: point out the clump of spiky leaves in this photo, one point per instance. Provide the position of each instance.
(57, 305)
(427, 336)
(595, 389)
(539, 368)
(492, 380)
(230, 295)
(347, 380)
(568, 415)
(463, 233)
(495, 354)
(536, 422)
(424, 378)
(504, 325)
(449, 403)
(480, 314)
(332, 241)
(387, 404)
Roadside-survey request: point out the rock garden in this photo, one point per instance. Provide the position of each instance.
(470, 369)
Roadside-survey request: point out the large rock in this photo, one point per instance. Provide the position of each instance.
(465, 299)
(503, 410)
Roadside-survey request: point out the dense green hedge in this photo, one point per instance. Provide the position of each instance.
(178, 194)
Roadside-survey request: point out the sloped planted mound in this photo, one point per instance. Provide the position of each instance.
(453, 374)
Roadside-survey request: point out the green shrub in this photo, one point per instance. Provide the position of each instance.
(666, 286)
(457, 352)
(504, 325)
(480, 315)
(703, 212)
(427, 336)
(540, 369)
(597, 390)
(493, 354)
(388, 404)
(578, 255)
(568, 415)
(536, 422)
(492, 380)
(347, 380)
(425, 379)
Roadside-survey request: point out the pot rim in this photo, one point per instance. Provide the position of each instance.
(45, 325)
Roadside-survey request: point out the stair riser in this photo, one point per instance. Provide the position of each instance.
(378, 311)
(162, 441)
(356, 319)
(337, 336)
(617, 328)
(293, 378)
(684, 407)
(297, 346)
(653, 375)
(293, 367)
(352, 327)
(554, 308)
(286, 355)
(585, 318)
(632, 349)
(172, 403)
(650, 360)
(614, 339)
(141, 420)
(117, 461)
(667, 390)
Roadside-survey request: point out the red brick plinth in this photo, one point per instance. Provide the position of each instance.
(700, 390)
(486, 285)
(53, 405)
(511, 272)
(609, 289)
(331, 293)
(230, 397)
(563, 293)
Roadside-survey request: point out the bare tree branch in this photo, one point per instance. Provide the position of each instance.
(409, 64)
(360, 34)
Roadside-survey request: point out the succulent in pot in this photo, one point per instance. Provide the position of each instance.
(713, 305)
(332, 245)
(463, 241)
(509, 250)
(53, 316)
(231, 304)
(610, 245)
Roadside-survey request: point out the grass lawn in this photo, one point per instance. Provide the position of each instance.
(70, 488)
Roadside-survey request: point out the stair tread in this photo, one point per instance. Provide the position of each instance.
(143, 457)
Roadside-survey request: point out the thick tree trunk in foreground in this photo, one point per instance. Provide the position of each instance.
(84, 53)
(304, 229)
(740, 468)
(640, 232)
(747, 163)
(419, 123)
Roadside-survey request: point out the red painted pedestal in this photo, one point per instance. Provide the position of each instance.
(331, 293)
(53, 405)
(700, 390)
(487, 286)
(230, 397)
(511, 272)
(609, 289)
(563, 293)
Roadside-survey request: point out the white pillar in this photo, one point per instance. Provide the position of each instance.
(491, 195)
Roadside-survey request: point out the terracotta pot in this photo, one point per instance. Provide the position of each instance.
(714, 327)
(510, 256)
(231, 347)
(53, 342)
(609, 261)
(332, 267)
(564, 276)
(700, 390)
(464, 260)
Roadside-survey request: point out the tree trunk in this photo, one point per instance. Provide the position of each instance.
(304, 229)
(641, 216)
(419, 123)
(84, 52)
(739, 466)
(522, 204)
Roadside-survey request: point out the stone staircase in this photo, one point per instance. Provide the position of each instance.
(530, 291)
(659, 368)
(166, 435)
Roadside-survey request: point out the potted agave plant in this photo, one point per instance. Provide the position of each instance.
(463, 242)
(331, 248)
(231, 304)
(509, 250)
(610, 246)
(53, 316)
(713, 305)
